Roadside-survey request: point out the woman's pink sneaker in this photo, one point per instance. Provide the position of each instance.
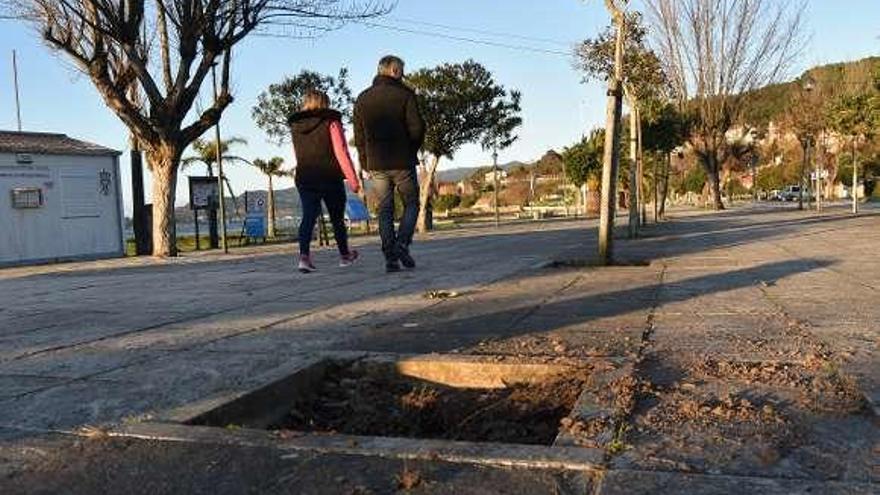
(305, 264)
(348, 259)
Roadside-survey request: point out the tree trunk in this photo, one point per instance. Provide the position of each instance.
(610, 167)
(713, 177)
(425, 195)
(271, 209)
(610, 159)
(164, 161)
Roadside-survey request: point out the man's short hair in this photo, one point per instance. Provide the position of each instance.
(391, 66)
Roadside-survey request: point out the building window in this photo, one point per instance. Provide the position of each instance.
(25, 198)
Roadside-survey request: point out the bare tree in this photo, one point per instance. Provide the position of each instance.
(715, 52)
(165, 49)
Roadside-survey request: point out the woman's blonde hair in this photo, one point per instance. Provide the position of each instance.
(315, 100)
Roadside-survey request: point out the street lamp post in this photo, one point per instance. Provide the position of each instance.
(855, 178)
(805, 146)
(807, 87)
(220, 175)
(495, 185)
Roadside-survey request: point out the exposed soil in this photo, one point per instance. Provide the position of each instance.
(370, 400)
(820, 386)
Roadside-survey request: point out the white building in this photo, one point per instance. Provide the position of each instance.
(489, 177)
(60, 199)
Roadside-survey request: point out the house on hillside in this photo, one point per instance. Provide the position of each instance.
(489, 177)
(60, 199)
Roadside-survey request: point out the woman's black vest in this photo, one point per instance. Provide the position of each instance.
(316, 163)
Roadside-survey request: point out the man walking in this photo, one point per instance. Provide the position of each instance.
(389, 131)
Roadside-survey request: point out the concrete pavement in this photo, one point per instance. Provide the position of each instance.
(761, 319)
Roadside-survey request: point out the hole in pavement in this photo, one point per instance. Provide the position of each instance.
(447, 399)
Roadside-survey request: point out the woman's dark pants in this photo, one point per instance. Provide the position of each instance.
(334, 197)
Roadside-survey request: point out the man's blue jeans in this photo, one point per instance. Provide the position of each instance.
(406, 183)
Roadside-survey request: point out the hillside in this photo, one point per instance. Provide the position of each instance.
(770, 103)
(461, 173)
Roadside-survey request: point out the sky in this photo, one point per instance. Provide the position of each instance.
(557, 107)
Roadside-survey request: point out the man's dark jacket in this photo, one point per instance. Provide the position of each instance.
(388, 126)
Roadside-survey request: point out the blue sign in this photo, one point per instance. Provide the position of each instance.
(255, 225)
(356, 210)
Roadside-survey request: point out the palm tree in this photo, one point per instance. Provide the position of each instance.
(272, 168)
(206, 153)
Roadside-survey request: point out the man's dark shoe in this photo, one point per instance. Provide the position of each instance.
(405, 258)
(392, 266)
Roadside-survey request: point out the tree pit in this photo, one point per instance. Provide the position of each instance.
(371, 399)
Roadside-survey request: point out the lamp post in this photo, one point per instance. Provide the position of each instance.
(807, 87)
(495, 185)
(855, 178)
(220, 175)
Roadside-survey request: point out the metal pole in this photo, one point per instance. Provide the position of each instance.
(855, 177)
(807, 168)
(565, 189)
(820, 172)
(643, 211)
(801, 181)
(654, 183)
(817, 192)
(196, 218)
(220, 176)
(15, 83)
(495, 186)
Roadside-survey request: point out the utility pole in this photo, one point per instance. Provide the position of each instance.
(15, 84)
(610, 160)
(495, 185)
(220, 176)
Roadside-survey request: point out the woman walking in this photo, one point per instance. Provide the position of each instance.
(322, 165)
